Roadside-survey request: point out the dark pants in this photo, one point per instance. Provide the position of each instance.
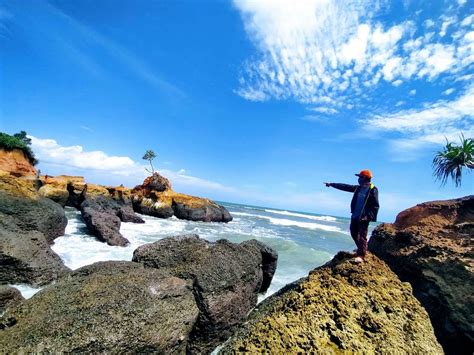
(359, 234)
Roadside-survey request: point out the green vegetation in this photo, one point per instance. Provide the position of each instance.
(18, 141)
(452, 159)
(149, 155)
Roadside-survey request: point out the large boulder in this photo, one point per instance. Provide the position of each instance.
(341, 307)
(226, 279)
(430, 246)
(9, 297)
(155, 197)
(107, 307)
(27, 227)
(35, 214)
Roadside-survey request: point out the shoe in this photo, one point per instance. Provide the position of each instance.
(358, 260)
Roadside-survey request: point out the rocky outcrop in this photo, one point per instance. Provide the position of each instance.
(340, 307)
(155, 197)
(9, 297)
(226, 279)
(430, 246)
(27, 227)
(16, 163)
(103, 216)
(118, 307)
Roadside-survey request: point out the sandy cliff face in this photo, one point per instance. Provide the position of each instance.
(15, 163)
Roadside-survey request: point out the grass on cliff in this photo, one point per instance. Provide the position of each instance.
(18, 141)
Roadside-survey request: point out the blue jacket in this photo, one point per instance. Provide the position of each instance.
(371, 206)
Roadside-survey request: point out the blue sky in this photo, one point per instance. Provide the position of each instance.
(255, 102)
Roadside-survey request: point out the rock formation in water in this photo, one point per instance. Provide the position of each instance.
(155, 197)
(226, 280)
(431, 246)
(28, 225)
(340, 307)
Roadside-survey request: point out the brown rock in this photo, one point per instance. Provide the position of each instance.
(156, 198)
(430, 246)
(340, 307)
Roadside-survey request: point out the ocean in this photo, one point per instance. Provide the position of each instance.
(303, 240)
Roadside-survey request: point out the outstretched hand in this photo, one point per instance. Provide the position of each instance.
(327, 184)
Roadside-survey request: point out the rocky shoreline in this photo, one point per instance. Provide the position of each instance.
(184, 294)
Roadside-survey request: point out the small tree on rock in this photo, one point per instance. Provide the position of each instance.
(452, 159)
(149, 155)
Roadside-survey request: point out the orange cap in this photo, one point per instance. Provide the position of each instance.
(365, 173)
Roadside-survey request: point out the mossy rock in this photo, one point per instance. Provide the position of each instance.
(340, 307)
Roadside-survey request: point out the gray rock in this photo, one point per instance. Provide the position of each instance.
(40, 214)
(27, 227)
(226, 276)
(103, 215)
(113, 307)
(269, 260)
(209, 213)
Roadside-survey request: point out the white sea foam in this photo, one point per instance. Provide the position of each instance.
(27, 291)
(290, 222)
(307, 225)
(303, 215)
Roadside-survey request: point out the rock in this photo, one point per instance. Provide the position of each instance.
(156, 182)
(9, 297)
(102, 221)
(340, 307)
(38, 214)
(226, 276)
(269, 261)
(430, 246)
(56, 194)
(199, 209)
(25, 256)
(107, 307)
(103, 215)
(156, 198)
(28, 224)
(24, 187)
(16, 163)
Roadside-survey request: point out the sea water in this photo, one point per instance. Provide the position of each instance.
(303, 240)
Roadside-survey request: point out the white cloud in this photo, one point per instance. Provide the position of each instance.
(412, 92)
(431, 124)
(448, 91)
(322, 109)
(74, 159)
(315, 49)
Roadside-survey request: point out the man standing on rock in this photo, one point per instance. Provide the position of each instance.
(364, 209)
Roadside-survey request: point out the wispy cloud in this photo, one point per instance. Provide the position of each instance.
(430, 125)
(330, 52)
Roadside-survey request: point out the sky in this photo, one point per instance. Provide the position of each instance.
(248, 101)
